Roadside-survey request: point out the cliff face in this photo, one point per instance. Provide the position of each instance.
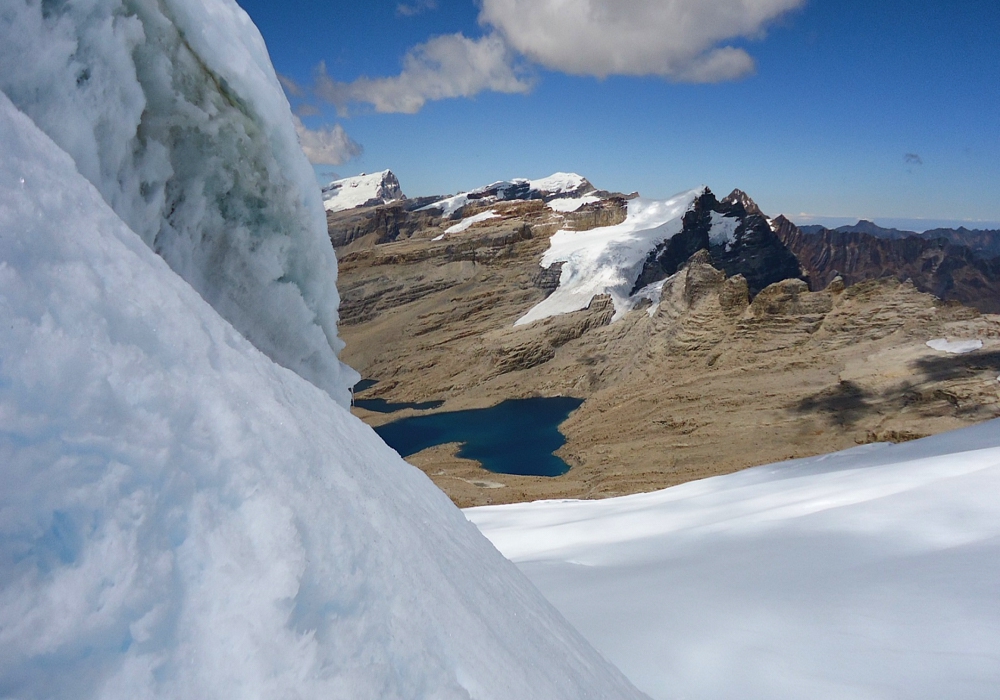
(948, 271)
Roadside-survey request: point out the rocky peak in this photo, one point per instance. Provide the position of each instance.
(741, 198)
(737, 238)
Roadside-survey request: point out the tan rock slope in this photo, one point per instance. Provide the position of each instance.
(706, 383)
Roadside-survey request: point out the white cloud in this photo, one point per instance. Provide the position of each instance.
(676, 39)
(326, 146)
(444, 67)
(415, 8)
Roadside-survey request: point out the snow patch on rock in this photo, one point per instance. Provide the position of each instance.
(955, 347)
(723, 230)
(468, 222)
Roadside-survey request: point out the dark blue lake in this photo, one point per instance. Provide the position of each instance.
(383, 406)
(514, 437)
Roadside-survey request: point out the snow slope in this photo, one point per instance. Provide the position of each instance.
(563, 191)
(608, 260)
(172, 110)
(362, 190)
(182, 518)
(871, 573)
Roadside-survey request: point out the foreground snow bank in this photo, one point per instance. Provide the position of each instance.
(608, 260)
(171, 109)
(870, 573)
(182, 518)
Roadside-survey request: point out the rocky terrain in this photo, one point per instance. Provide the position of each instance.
(739, 363)
(983, 242)
(936, 265)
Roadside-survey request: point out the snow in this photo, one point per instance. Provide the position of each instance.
(466, 223)
(654, 293)
(869, 573)
(571, 204)
(608, 260)
(955, 347)
(448, 205)
(183, 518)
(723, 230)
(557, 183)
(173, 111)
(357, 191)
(501, 191)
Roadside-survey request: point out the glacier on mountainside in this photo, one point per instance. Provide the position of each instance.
(870, 573)
(609, 259)
(181, 517)
(172, 110)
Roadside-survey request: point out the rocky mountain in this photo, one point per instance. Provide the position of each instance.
(362, 190)
(736, 235)
(984, 243)
(947, 270)
(723, 356)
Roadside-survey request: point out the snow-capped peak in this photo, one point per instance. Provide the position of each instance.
(561, 183)
(362, 190)
(557, 186)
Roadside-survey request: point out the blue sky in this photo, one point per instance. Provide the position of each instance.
(885, 109)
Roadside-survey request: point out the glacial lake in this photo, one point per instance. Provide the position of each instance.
(515, 437)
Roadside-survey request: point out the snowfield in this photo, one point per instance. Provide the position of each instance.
(872, 573)
(608, 260)
(181, 517)
(351, 192)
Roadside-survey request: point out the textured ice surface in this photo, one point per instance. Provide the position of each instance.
(608, 260)
(172, 110)
(870, 573)
(181, 517)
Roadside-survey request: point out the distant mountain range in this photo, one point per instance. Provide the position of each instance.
(982, 242)
(952, 264)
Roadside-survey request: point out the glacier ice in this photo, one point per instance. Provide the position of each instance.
(609, 259)
(173, 111)
(181, 517)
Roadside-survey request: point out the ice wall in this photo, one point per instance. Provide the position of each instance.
(182, 518)
(171, 108)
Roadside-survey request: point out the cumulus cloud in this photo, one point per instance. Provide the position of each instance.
(446, 66)
(675, 39)
(415, 8)
(330, 146)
